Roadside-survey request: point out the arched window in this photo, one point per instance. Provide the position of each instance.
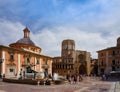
(28, 60)
(11, 56)
(11, 53)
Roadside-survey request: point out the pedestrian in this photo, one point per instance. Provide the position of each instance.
(70, 79)
(75, 79)
(80, 77)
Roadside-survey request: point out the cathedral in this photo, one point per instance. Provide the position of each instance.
(71, 61)
(23, 56)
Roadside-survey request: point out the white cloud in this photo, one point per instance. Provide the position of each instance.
(50, 39)
(92, 29)
(10, 32)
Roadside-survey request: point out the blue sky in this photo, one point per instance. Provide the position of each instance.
(48, 12)
(93, 24)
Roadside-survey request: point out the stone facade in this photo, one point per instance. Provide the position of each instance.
(71, 61)
(109, 59)
(16, 58)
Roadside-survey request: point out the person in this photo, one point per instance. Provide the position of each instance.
(80, 77)
(0, 76)
(75, 78)
(103, 77)
(70, 79)
(47, 82)
(67, 77)
(3, 76)
(20, 75)
(24, 74)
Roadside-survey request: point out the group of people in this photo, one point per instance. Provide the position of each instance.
(74, 78)
(2, 76)
(106, 77)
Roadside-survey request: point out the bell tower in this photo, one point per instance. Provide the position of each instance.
(68, 47)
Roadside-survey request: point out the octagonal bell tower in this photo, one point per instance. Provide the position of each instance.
(68, 47)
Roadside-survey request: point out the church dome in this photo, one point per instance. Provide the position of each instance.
(26, 39)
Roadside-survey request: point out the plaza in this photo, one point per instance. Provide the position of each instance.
(89, 84)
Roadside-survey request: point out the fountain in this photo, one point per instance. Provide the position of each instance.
(55, 76)
(37, 79)
(40, 75)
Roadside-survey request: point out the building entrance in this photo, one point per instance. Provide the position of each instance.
(82, 69)
(11, 71)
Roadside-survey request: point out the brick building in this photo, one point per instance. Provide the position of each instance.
(71, 61)
(109, 59)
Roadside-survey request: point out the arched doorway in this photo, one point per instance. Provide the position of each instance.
(11, 70)
(82, 69)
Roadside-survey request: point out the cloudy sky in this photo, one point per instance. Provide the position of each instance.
(93, 24)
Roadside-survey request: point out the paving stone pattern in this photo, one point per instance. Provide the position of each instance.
(89, 84)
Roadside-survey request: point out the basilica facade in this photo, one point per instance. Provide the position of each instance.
(23, 56)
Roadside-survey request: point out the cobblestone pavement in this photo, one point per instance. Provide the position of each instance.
(87, 85)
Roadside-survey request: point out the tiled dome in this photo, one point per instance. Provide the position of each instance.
(26, 41)
(26, 38)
